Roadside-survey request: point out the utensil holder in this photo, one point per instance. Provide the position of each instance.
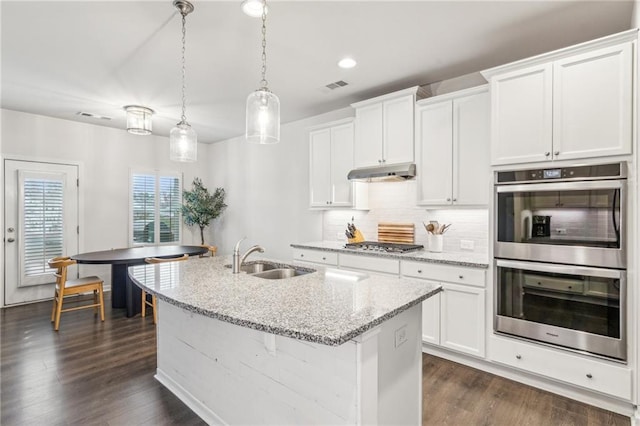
(435, 242)
(358, 238)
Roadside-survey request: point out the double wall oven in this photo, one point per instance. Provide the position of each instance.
(560, 257)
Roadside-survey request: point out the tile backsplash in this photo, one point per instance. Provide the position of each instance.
(396, 202)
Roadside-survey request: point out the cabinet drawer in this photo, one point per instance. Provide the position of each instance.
(316, 256)
(375, 264)
(597, 375)
(451, 274)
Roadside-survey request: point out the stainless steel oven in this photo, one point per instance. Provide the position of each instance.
(570, 215)
(560, 257)
(580, 308)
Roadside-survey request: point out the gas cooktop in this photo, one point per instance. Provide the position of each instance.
(384, 247)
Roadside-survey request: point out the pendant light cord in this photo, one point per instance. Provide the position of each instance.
(263, 82)
(184, 85)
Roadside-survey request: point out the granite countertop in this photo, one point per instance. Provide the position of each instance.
(473, 260)
(328, 306)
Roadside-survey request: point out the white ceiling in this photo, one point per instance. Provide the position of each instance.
(61, 57)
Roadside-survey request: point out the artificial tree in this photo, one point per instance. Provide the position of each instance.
(200, 207)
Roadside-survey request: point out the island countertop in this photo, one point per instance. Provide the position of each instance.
(328, 306)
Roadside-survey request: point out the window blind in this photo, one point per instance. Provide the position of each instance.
(43, 224)
(156, 201)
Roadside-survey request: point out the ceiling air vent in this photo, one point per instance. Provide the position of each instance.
(336, 84)
(90, 115)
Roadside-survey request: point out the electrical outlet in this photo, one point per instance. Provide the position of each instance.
(401, 335)
(466, 244)
(561, 231)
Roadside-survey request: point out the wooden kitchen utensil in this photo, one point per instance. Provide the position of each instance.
(396, 233)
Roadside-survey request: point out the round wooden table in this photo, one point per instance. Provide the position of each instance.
(124, 293)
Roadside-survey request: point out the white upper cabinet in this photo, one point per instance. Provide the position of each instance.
(452, 145)
(331, 159)
(384, 129)
(592, 103)
(521, 120)
(570, 104)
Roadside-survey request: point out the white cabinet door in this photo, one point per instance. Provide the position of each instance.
(592, 103)
(471, 173)
(397, 127)
(431, 319)
(462, 319)
(320, 167)
(341, 164)
(435, 123)
(521, 115)
(368, 144)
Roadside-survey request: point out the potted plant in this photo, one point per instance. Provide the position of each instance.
(200, 207)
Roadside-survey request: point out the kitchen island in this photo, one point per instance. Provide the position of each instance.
(325, 347)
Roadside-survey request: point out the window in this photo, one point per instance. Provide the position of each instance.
(41, 204)
(155, 208)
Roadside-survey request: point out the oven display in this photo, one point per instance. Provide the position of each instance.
(552, 173)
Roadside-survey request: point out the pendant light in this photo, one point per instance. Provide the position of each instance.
(183, 140)
(263, 107)
(138, 119)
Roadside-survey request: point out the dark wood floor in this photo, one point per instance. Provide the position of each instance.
(93, 373)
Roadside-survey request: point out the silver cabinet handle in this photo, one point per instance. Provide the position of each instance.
(455, 199)
(301, 255)
(556, 153)
(518, 356)
(448, 199)
(589, 376)
(419, 271)
(461, 276)
(379, 161)
(324, 258)
(546, 154)
(10, 240)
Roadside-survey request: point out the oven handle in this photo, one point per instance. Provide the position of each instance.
(561, 269)
(562, 186)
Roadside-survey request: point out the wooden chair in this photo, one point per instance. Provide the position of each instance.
(212, 250)
(152, 303)
(65, 287)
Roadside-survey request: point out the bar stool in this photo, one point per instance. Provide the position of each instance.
(152, 303)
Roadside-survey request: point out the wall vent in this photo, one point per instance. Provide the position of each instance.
(90, 115)
(336, 84)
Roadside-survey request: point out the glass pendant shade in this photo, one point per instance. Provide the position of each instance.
(138, 119)
(183, 143)
(263, 117)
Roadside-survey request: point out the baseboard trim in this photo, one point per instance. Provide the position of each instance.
(624, 408)
(189, 400)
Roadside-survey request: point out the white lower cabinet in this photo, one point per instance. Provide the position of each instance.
(594, 374)
(454, 318)
(369, 263)
(327, 258)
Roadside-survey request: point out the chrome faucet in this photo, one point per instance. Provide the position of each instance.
(239, 260)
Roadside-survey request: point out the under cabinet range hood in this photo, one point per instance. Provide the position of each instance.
(396, 172)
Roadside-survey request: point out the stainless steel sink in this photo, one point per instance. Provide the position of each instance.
(257, 267)
(272, 271)
(279, 274)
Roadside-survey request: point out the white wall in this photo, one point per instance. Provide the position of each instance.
(106, 156)
(267, 190)
(396, 202)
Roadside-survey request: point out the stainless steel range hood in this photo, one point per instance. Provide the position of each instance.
(396, 172)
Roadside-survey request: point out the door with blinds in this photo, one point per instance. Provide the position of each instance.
(41, 222)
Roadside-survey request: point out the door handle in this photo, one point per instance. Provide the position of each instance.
(10, 240)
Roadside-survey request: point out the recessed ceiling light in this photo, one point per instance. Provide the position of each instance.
(347, 63)
(253, 8)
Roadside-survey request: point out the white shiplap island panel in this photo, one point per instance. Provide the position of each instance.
(312, 349)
